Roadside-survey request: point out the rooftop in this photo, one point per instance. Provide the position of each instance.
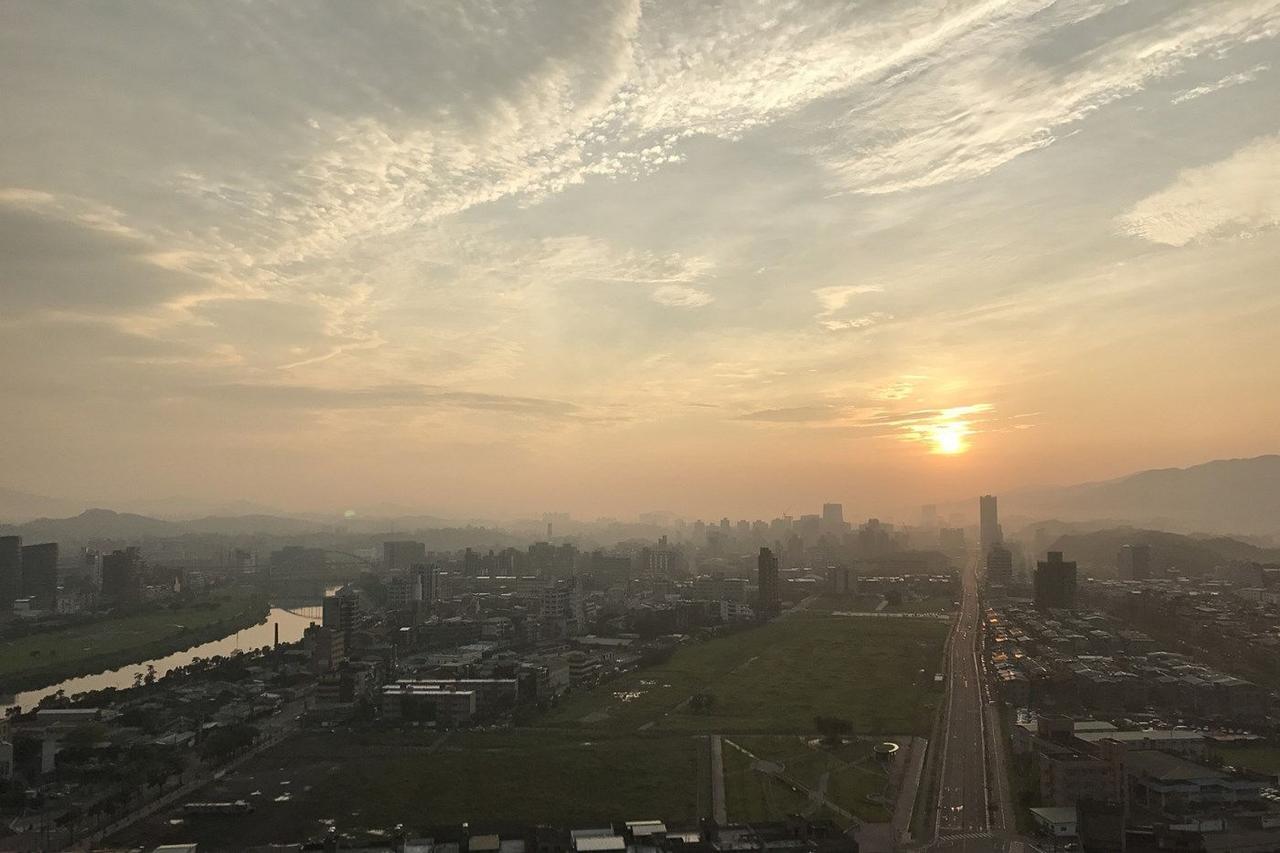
(1131, 736)
(1169, 768)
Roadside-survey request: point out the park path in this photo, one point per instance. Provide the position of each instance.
(719, 813)
(816, 796)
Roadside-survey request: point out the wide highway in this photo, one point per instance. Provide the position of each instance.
(970, 811)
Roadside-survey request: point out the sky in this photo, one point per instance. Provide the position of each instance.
(495, 258)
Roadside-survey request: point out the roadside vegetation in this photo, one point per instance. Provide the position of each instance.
(41, 658)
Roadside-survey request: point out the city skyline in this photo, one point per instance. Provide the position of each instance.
(609, 258)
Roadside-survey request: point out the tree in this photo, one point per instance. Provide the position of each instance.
(702, 701)
(222, 743)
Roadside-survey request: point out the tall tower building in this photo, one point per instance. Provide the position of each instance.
(400, 556)
(40, 574)
(10, 571)
(1055, 583)
(769, 603)
(1133, 563)
(122, 576)
(999, 565)
(832, 518)
(988, 523)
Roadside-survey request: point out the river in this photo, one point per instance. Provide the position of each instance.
(254, 637)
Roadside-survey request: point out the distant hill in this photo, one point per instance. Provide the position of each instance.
(93, 524)
(1192, 555)
(107, 525)
(1240, 496)
(233, 525)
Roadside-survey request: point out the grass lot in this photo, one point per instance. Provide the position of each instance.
(931, 604)
(872, 603)
(490, 779)
(64, 650)
(877, 673)
(850, 772)
(1260, 757)
(751, 795)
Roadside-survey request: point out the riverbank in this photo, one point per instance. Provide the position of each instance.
(31, 662)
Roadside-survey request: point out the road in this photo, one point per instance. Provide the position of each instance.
(969, 814)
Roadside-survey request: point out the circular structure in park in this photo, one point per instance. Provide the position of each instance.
(886, 751)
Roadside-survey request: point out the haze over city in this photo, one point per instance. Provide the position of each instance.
(640, 426)
(491, 259)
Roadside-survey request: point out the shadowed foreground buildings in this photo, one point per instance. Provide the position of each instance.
(40, 575)
(999, 565)
(770, 596)
(1055, 583)
(10, 570)
(989, 532)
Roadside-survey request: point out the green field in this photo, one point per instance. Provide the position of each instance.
(640, 753)
(82, 649)
(876, 673)
(509, 778)
(751, 795)
(847, 776)
(1259, 757)
(871, 603)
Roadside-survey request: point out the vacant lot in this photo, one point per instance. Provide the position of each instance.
(1260, 757)
(64, 650)
(753, 795)
(847, 777)
(871, 603)
(876, 673)
(491, 779)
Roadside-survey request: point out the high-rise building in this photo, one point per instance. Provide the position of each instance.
(40, 574)
(10, 571)
(833, 518)
(1055, 583)
(875, 538)
(341, 610)
(989, 523)
(561, 607)
(951, 539)
(809, 527)
(770, 585)
(842, 580)
(1133, 563)
(399, 556)
(122, 576)
(929, 516)
(999, 565)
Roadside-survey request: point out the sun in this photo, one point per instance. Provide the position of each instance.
(948, 438)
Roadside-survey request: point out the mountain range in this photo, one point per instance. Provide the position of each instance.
(1230, 496)
(1096, 551)
(1226, 496)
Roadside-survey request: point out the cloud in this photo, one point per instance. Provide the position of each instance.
(1235, 197)
(681, 296)
(957, 108)
(380, 396)
(1220, 84)
(833, 299)
(796, 415)
(856, 324)
(79, 265)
